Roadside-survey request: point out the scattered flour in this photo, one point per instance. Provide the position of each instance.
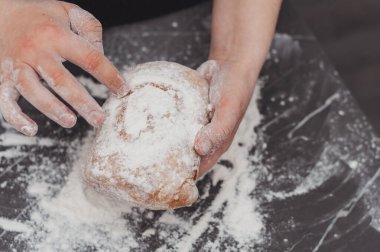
(12, 139)
(74, 220)
(14, 226)
(317, 176)
(174, 24)
(69, 220)
(327, 103)
(95, 89)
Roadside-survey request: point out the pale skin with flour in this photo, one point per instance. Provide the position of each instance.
(37, 36)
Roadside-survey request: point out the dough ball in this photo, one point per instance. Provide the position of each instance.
(144, 152)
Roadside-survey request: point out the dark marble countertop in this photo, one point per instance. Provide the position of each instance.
(319, 157)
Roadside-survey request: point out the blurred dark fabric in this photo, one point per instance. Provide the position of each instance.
(117, 12)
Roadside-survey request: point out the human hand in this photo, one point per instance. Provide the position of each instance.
(231, 88)
(36, 36)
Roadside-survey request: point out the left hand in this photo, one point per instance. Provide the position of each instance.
(36, 37)
(231, 88)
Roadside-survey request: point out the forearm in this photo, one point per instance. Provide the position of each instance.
(242, 31)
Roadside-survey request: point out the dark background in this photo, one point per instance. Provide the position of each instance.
(116, 12)
(349, 32)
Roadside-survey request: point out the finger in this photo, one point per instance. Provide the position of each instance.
(83, 54)
(67, 86)
(11, 111)
(219, 130)
(32, 90)
(207, 162)
(85, 25)
(211, 71)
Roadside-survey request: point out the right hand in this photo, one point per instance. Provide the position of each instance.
(36, 36)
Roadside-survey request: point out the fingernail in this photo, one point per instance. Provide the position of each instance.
(67, 120)
(96, 118)
(123, 91)
(28, 130)
(205, 146)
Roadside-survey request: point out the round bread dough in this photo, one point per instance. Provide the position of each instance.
(143, 154)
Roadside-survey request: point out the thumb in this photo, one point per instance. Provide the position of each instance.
(85, 25)
(217, 133)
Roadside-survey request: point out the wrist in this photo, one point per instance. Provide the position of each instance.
(240, 66)
(246, 58)
(242, 69)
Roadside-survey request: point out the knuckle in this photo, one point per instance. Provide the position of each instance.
(91, 24)
(6, 117)
(49, 29)
(29, 41)
(22, 85)
(56, 78)
(221, 136)
(10, 117)
(225, 133)
(26, 43)
(94, 24)
(26, 46)
(83, 19)
(73, 5)
(93, 60)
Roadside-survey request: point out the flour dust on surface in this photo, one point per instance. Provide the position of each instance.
(64, 216)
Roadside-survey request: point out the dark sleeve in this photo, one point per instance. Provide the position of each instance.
(116, 12)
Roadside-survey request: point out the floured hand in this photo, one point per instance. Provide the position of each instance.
(36, 36)
(241, 35)
(231, 88)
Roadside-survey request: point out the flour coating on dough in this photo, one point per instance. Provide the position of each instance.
(144, 151)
